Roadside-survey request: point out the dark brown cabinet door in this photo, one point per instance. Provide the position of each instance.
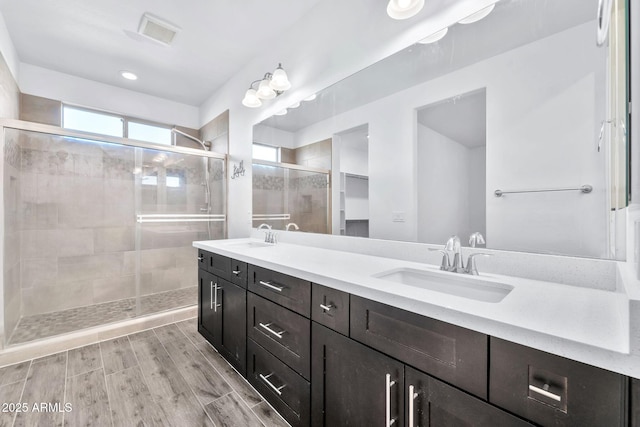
(232, 318)
(208, 325)
(635, 402)
(353, 385)
(432, 403)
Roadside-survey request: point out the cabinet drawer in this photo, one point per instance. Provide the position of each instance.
(287, 391)
(215, 264)
(283, 332)
(552, 390)
(285, 290)
(330, 308)
(453, 354)
(239, 271)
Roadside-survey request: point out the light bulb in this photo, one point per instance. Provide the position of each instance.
(404, 9)
(251, 99)
(265, 91)
(279, 80)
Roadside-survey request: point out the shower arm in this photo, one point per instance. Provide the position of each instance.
(193, 138)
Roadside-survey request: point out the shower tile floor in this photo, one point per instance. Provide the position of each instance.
(46, 325)
(167, 376)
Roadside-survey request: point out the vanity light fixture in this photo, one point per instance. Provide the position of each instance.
(435, 36)
(404, 9)
(475, 17)
(128, 75)
(270, 86)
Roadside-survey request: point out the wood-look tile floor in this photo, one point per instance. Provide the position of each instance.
(167, 376)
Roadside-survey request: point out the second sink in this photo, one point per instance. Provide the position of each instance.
(449, 283)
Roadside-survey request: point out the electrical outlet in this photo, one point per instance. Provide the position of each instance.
(398, 216)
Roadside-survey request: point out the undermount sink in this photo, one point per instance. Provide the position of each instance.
(247, 245)
(465, 286)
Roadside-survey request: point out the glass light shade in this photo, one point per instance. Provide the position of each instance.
(251, 99)
(404, 9)
(475, 17)
(279, 80)
(265, 91)
(435, 36)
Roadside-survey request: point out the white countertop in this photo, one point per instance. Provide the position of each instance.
(588, 325)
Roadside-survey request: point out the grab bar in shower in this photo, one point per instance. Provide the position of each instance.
(181, 218)
(262, 217)
(584, 189)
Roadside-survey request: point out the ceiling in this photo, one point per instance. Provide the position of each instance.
(97, 39)
(513, 23)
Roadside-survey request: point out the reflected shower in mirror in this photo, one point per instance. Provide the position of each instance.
(522, 101)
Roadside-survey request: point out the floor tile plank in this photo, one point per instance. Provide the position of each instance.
(14, 373)
(268, 416)
(84, 359)
(230, 411)
(44, 385)
(204, 380)
(130, 400)
(10, 394)
(117, 355)
(190, 329)
(87, 394)
(168, 388)
(239, 384)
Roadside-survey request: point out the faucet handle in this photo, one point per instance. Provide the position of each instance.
(471, 267)
(476, 239)
(445, 264)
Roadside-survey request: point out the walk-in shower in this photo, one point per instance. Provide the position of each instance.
(99, 229)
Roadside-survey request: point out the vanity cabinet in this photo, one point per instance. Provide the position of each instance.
(552, 390)
(222, 317)
(323, 357)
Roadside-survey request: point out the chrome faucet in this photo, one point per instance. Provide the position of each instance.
(264, 226)
(292, 224)
(456, 265)
(476, 239)
(453, 246)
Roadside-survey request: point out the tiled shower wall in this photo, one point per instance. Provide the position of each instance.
(77, 207)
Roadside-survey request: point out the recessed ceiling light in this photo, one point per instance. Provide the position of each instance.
(403, 9)
(435, 36)
(310, 97)
(475, 17)
(281, 112)
(295, 105)
(128, 75)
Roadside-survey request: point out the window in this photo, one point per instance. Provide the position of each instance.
(149, 133)
(265, 152)
(103, 123)
(92, 121)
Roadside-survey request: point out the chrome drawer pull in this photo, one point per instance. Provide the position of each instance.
(211, 297)
(270, 384)
(545, 393)
(236, 272)
(389, 421)
(267, 328)
(327, 307)
(214, 291)
(270, 286)
(412, 398)
(200, 258)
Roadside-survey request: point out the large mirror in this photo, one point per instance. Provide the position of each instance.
(514, 126)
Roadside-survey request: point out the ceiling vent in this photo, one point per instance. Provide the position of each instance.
(157, 30)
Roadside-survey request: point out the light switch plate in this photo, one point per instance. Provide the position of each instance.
(398, 216)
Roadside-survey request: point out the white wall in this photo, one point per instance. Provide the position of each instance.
(8, 50)
(449, 176)
(75, 90)
(271, 136)
(523, 92)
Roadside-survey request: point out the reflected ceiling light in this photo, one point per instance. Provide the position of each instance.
(435, 36)
(128, 75)
(281, 112)
(268, 87)
(475, 17)
(404, 9)
(310, 97)
(251, 99)
(295, 105)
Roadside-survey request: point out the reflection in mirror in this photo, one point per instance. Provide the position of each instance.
(530, 86)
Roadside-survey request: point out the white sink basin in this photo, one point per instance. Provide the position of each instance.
(457, 284)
